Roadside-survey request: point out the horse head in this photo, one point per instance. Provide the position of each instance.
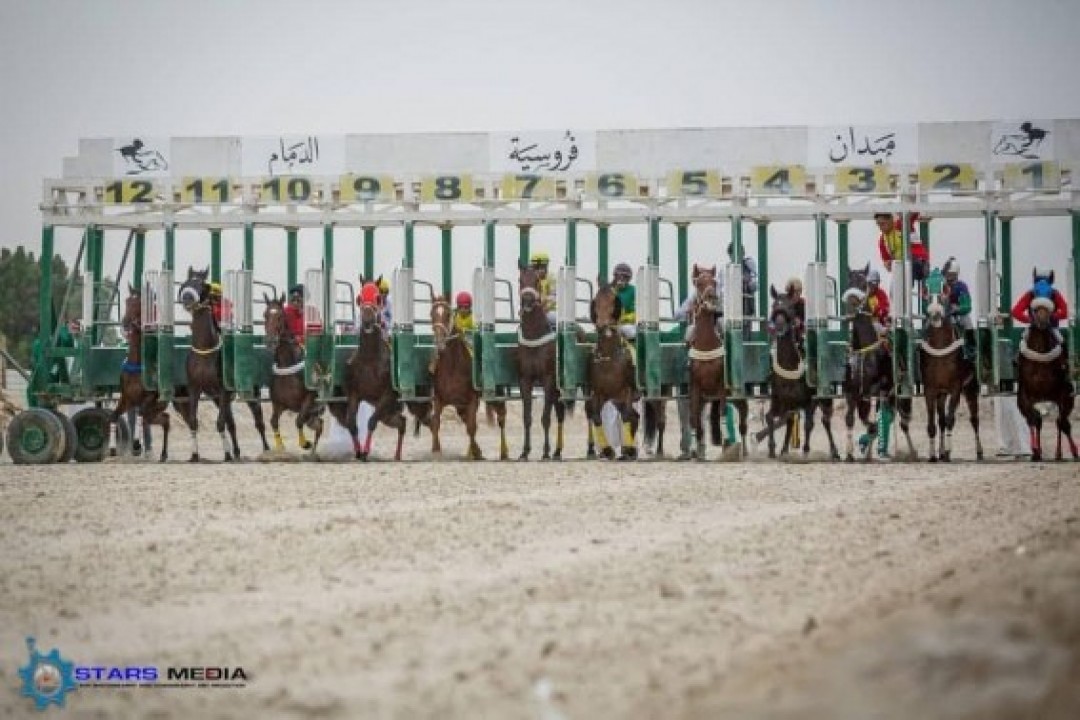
(441, 321)
(855, 310)
(605, 307)
(1042, 309)
(132, 320)
(195, 291)
(782, 312)
(857, 277)
(274, 322)
(703, 277)
(528, 288)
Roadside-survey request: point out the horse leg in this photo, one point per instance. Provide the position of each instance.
(826, 420)
(626, 410)
(468, 415)
(275, 426)
(950, 418)
(931, 421)
(1065, 407)
(597, 433)
(133, 425)
(742, 407)
(161, 417)
(500, 417)
(789, 426)
(903, 409)
(193, 421)
(770, 427)
(226, 422)
(255, 406)
(526, 385)
(661, 425)
(870, 425)
(849, 423)
(391, 413)
(697, 430)
(315, 421)
(560, 418)
(436, 421)
(1034, 421)
(808, 420)
(971, 396)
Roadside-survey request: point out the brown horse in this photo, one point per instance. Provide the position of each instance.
(536, 364)
(707, 381)
(368, 379)
(287, 389)
(204, 366)
(133, 396)
(946, 375)
(452, 383)
(611, 376)
(1042, 379)
(789, 392)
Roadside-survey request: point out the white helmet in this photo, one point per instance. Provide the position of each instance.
(874, 277)
(952, 267)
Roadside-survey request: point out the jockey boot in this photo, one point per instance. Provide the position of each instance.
(885, 419)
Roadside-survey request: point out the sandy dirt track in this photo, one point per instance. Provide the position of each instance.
(572, 590)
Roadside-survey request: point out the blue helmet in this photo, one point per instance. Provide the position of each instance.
(1043, 289)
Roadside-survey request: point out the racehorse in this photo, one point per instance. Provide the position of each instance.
(707, 378)
(946, 375)
(287, 389)
(133, 396)
(1041, 379)
(790, 392)
(535, 359)
(452, 383)
(204, 368)
(611, 376)
(368, 379)
(868, 373)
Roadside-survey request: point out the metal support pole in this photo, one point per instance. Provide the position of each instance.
(571, 242)
(46, 317)
(489, 243)
(290, 253)
(215, 254)
(924, 234)
(602, 269)
(763, 267)
(523, 243)
(369, 253)
(447, 259)
(329, 291)
(1004, 265)
(410, 238)
(249, 247)
(140, 258)
(844, 263)
(170, 247)
(654, 241)
(736, 239)
(683, 245)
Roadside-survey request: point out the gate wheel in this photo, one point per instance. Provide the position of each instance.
(68, 453)
(92, 434)
(35, 437)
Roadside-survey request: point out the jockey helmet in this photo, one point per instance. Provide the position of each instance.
(874, 278)
(369, 294)
(1043, 289)
(383, 285)
(624, 270)
(952, 267)
(463, 300)
(794, 284)
(215, 288)
(540, 258)
(297, 290)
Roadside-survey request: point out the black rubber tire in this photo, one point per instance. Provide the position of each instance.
(70, 438)
(35, 437)
(92, 434)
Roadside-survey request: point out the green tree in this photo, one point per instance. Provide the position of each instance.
(20, 278)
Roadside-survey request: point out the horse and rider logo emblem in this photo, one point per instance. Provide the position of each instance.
(47, 678)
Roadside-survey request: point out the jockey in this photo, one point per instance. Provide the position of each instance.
(1045, 291)
(384, 302)
(463, 317)
(540, 260)
(215, 302)
(794, 290)
(877, 302)
(294, 315)
(627, 295)
(891, 242)
(959, 298)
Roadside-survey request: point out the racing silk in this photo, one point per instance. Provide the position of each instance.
(386, 313)
(878, 304)
(294, 318)
(547, 293)
(959, 298)
(627, 296)
(890, 244)
(218, 309)
(463, 322)
(1021, 312)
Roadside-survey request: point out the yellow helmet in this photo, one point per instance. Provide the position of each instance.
(539, 258)
(384, 285)
(215, 288)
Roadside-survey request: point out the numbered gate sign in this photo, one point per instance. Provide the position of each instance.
(205, 190)
(363, 188)
(447, 188)
(947, 177)
(129, 192)
(286, 189)
(693, 183)
(527, 186)
(611, 185)
(1036, 175)
(863, 180)
(778, 180)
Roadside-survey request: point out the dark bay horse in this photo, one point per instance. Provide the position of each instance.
(1042, 379)
(287, 389)
(946, 375)
(368, 379)
(611, 376)
(204, 366)
(789, 392)
(133, 396)
(707, 357)
(452, 383)
(535, 358)
(868, 375)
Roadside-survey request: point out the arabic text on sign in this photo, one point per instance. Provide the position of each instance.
(852, 146)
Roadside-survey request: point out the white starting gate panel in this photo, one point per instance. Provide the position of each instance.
(402, 298)
(566, 295)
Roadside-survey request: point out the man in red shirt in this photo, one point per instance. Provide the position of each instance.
(891, 244)
(294, 312)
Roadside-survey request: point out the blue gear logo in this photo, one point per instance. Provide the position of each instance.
(47, 678)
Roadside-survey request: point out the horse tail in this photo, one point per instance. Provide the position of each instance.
(716, 435)
(650, 421)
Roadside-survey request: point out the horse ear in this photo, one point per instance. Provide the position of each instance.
(866, 270)
(713, 270)
(772, 291)
(1051, 277)
(696, 272)
(131, 289)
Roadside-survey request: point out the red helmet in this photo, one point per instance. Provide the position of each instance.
(463, 300)
(369, 295)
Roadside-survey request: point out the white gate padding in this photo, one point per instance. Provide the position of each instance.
(901, 289)
(984, 289)
(401, 298)
(1070, 285)
(816, 291)
(733, 300)
(648, 299)
(237, 307)
(484, 295)
(566, 295)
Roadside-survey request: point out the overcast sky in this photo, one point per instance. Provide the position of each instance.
(72, 69)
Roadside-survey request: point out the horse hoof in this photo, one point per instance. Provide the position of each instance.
(362, 456)
(305, 445)
(228, 457)
(607, 453)
(933, 458)
(557, 455)
(524, 457)
(194, 457)
(849, 458)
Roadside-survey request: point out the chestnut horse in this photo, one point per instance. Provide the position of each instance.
(535, 359)
(1042, 379)
(133, 396)
(452, 383)
(287, 389)
(611, 376)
